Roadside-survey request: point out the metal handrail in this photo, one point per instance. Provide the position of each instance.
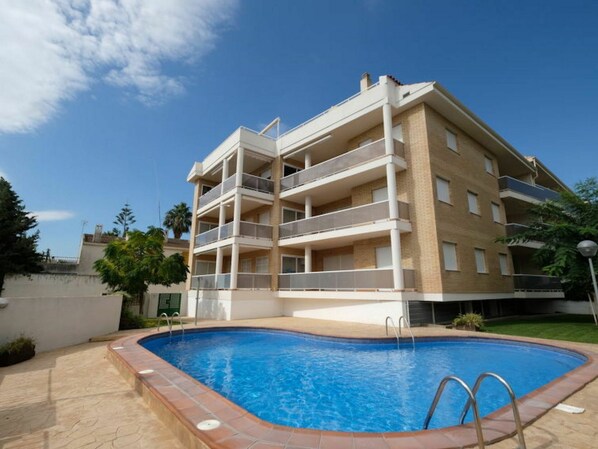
(180, 322)
(402, 318)
(165, 315)
(476, 414)
(394, 327)
(505, 384)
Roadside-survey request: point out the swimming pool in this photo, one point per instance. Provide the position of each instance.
(351, 385)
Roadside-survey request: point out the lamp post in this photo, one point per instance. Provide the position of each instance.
(589, 248)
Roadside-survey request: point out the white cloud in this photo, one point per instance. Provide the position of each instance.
(54, 49)
(53, 215)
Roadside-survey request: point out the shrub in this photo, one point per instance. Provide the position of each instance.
(16, 351)
(130, 320)
(469, 321)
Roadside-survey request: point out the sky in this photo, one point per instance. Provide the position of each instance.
(107, 102)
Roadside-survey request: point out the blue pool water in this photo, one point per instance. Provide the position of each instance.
(354, 385)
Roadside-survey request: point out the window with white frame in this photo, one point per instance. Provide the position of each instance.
(488, 165)
(480, 260)
(496, 213)
(337, 262)
(292, 215)
(205, 226)
(293, 264)
(205, 267)
(262, 264)
(397, 132)
(449, 252)
(504, 264)
(472, 201)
(245, 266)
(383, 257)
(451, 140)
(443, 190)
(380, 194)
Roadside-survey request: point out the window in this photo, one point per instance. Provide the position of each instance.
(292, 215)
(262, 265)
(449, 251)
(451, 140)
(205, 189)
(289, 170)
(472, 201)
(245, 266)
(496, 213)
(205, 267)
(264, 218)
(383, 257)
(380, 194)
(480, 260)
(338, 262)
(205, 227)
(365, 142)
(442, 190)
(397, 133)
(291, 264)
(488, 165)
(504, 264)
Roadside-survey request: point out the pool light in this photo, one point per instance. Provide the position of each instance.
(208, 424)
(588, 248)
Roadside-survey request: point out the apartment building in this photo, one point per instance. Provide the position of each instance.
(388, 203)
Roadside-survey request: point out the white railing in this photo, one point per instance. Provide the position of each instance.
(248, 181)
(248, 281)
(344, 280)
(246, 229)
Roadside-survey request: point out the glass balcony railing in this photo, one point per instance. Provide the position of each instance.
(346, 218)
(246, 229)
(535, 191)
(248, 181)
(339, 163)
(246, 281)
(346, 280)
(531, 282)
(515, 228)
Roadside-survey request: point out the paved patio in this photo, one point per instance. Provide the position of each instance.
(75, 398)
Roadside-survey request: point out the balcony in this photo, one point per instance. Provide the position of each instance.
(246, 229)
(347, 280)
(340, 163)
(523, 190)
(535, 283)
(245, 281)
(248, 181)
(346, 218)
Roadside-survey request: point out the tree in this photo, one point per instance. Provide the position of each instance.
(178, 219)
(125, 218)
(132, 265)
(561, 224)
(18, 250)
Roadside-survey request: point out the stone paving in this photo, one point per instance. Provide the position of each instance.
(74, 398)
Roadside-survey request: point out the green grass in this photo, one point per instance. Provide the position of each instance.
(578, 328)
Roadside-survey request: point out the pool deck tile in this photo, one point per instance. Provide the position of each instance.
(305, 438)
(368, 442)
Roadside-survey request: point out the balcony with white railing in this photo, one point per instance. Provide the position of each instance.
(342, 219)
(246, 229)
(345, 280)
(340, 163)
(245, 281)
(250, 182)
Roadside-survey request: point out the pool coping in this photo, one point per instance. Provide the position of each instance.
(182, 402)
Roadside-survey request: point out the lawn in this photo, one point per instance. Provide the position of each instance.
(579, 328)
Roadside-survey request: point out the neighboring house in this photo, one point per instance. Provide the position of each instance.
(388, 203)
(64, 276)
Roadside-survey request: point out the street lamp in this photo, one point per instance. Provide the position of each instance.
(588, 248)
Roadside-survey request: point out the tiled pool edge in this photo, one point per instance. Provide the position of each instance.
(182, 402)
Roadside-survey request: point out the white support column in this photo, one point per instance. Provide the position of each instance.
(308, 208)
(234, 266)
(307, 159)
(393, 205)
(308, 259)
(224, 169)
(218, 260)
(240, 157)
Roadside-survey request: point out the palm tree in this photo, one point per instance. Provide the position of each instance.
(178, 219)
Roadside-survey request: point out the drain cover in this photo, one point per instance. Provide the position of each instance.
(208, 424)
(146, 371)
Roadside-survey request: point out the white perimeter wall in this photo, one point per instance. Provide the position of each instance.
(233, 305)
(368, 312)
(52, 285)
(56, 322)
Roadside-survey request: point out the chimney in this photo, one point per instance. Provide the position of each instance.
(365, 82)
(97, 235)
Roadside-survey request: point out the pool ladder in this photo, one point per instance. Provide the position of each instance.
(169, 322)
(472, 403)
(398, 334)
